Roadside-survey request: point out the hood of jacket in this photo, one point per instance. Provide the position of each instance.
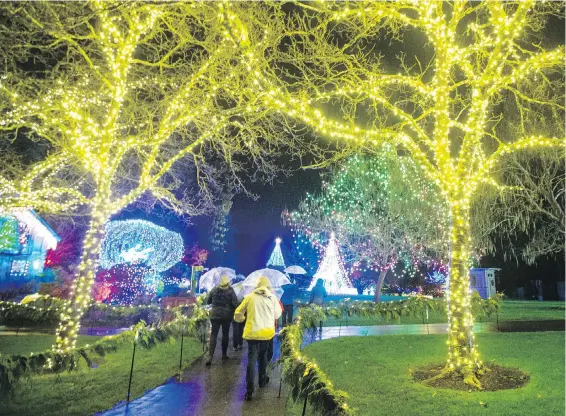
(263, 291)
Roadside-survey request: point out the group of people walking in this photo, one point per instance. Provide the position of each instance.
(253, 319)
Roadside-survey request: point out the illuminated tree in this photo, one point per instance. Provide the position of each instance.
(130, 99)
(195, 256)
(383, 212)
(331, 66)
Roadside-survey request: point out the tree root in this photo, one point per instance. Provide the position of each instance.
(443, 373)
(471, 380)
(469, 377)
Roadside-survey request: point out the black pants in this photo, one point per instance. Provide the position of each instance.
(270, 349)
(237, 333)
(287, 314)
(216, 324)
(257, 351)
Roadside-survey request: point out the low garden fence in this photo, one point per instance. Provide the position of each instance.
(14, 367)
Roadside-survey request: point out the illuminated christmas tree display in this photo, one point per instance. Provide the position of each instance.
(276, 259)
(123, 114)
(332, 272)
(385, 215)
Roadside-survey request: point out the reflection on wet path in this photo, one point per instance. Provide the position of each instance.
(209, 391)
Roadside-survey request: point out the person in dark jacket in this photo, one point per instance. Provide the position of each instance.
(288, 300)
(318, 293)
(224, 302)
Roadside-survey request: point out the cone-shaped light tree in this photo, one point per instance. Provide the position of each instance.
(129, 98)
(429, 77)
(331, 270)
(276, 259)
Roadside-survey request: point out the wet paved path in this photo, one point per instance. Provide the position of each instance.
(219, 390)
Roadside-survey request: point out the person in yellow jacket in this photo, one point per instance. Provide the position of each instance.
(260, 309)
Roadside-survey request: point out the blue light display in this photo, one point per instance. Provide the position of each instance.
(139, 241)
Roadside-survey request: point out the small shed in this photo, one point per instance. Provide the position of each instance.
(24, 240)
(482, 280)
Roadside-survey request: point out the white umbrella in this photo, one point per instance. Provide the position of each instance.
(243, 291)
(238, 288)
(295, 270)
(276, 278)
(212, 277)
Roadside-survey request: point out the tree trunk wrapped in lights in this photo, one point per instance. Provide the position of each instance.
(330, 65)
(462, 348)
(80, 291)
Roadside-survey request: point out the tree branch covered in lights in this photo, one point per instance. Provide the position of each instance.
(133, 99)
(336, 67)
(527, 216)
(382, 210)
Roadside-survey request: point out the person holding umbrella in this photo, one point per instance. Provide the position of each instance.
(224, 301)
(260, 309)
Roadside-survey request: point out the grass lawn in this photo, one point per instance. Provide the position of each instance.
(376, 374)
(511, 310)
(27, 342)
(88, 391)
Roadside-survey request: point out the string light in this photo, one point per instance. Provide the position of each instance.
(135, 241)
(385, 214)
(332, 272)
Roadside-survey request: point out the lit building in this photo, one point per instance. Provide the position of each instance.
(24, 241)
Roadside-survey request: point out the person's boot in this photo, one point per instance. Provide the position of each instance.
(264, 381)
(211, 354)
(248, 396)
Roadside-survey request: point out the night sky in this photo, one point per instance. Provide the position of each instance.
(258, 223)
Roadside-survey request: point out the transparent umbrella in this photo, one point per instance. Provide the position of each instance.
(276, 278)
(295, 270)
(212, 277)
(243, 291)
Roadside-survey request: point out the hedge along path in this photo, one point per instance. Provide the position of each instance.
(309, 383)
(14, 367)
(45, 311)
